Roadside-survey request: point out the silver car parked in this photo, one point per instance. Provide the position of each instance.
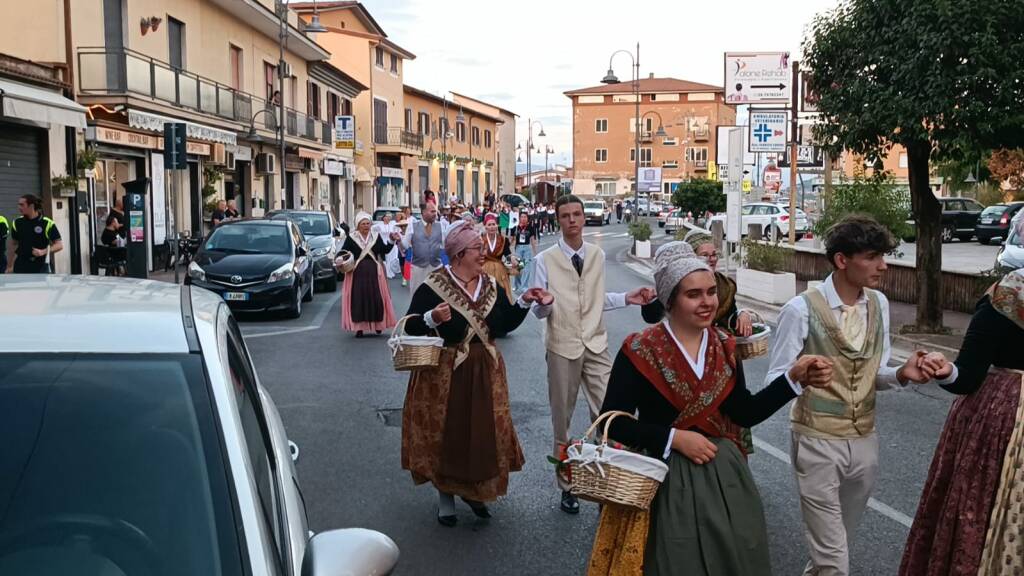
(137, 440)
(1011, 254)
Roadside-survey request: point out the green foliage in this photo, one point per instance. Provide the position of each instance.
(989, 194)
(87, 158)
(640, 230)
(61, 182)
(876, 196)
(699, 196)
(211, 175)
(765, 256)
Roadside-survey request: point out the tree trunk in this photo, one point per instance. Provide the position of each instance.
(928, 214)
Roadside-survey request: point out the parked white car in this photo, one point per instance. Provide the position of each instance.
(768, 215)
(675, 221)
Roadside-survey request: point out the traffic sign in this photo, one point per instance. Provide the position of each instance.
(772, 178)
(806, 157)
(767, 130)
(757, 77)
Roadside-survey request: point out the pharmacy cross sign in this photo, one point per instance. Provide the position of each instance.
(762, 133)
(767, 131)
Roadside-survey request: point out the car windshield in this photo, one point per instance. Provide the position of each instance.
(309, 223)
(996, 210)
(111, 464)
(250, 239)
(593, 205)
(1017, 235)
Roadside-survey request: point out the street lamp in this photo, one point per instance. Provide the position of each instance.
(530, 147)
(547, 150)
(610, 78)
(314, 26)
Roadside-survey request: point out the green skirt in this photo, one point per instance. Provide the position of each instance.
(708, 519)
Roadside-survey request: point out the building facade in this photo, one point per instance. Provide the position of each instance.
(604, 133)
(505, 141)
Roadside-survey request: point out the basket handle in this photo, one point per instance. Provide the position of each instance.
(400, 326)
(607, 418)
(754, 316)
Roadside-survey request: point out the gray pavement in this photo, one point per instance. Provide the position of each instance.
(341, 403)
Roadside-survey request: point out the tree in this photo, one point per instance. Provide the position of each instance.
(876, 196)
(699, 196)
(1008, 166)
(942, 78)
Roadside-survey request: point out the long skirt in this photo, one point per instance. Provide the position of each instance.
(457, 429)
(707, 520)
(497, 269)
(392, 263)
(971, 516)
(366, 300)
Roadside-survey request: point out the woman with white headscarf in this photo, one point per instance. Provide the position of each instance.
(683, 379)
(365, 298)
(457, 430)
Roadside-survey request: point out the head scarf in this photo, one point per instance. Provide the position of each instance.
(1008, 297)
(697, 238)
(468, 217)
(458, 237)
(675, 262)
(363, 216)
(490, 217)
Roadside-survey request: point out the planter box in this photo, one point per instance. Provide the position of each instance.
(643, 249)
(766, 287)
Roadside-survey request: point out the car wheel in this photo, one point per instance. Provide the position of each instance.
(295, 310)
(984, 241)
(308, 297)
(948, 232)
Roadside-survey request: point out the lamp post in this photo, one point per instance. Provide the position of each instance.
(530, 148)
(610, 78)
(659, 133)
(547, 150)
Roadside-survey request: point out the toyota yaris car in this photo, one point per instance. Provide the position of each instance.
(137, 440)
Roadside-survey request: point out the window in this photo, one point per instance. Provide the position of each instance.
(443, 127)
(379, 54)
(394, 64)
(269, 72)
(476, 136)
(747, 210)
(460, 131)
(346, 107)
(333, 106)
(670, 164)
(443, 175)
(380, 121)
(460, 183)
(601, 155)
(408, 119)
(423, 125)
(235, 57)
(903, 160)
(313, 99)
(487, 182)
(605, 188)
(601, 125)
(647, 124)
(645, 157)
(665, 97)
(670, 142)
(176, 43)
(424, 175)
(697, 155)
(487, 138)
(632, 154)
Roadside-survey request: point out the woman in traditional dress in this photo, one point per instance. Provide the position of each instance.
(496, 250)
(385, 229)
(970, 517)
(365, 299)
(457, 430)
(683, 378)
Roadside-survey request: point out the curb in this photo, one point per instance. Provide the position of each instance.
(902, 346)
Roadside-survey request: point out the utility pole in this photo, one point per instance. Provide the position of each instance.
(794, 130)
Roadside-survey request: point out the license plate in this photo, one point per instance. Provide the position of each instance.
(236, 296)
(987, 220)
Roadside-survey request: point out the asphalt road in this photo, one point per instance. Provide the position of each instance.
(341, 403)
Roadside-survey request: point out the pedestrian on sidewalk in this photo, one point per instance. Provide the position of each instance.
(618, 211)
(457, 431)
(577, 341)
(35, 238)
(424, 237)
(365, 299)
(834, 443)
(968, 521)
(496, 252)
(684, 380)
(525, 240)
(385, 229)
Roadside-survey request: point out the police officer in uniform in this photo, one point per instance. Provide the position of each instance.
(5, 231)
(35, 236)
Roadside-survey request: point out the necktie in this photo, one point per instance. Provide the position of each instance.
(577, 263)
(852, 324)
(427, 228)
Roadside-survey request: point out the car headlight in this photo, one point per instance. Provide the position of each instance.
(283, 273)
(321, 251)
(195, 272)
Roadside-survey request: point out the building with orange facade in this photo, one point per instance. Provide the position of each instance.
(604, 133)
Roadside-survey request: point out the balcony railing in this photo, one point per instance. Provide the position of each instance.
(119, 71)
(397, 137)
(700, 164)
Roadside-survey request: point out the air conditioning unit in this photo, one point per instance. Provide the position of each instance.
(219, 155)
(286, 69)
(266, 163)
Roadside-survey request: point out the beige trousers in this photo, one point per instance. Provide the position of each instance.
(564, 378)
(418, 276)
(835, 479)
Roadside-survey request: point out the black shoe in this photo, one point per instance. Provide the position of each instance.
(448, 521)
(570, 505)
(479, 508)
(378, 332)
(359, 334)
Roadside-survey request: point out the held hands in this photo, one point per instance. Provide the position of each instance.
(744, 324)
(694, 446)
(922, 367)
(441, 314)
(640, 296)
(538, 295)
(812, 370)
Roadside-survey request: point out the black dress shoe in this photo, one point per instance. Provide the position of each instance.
(448, 521)
(479, 508)
(570, 505)
(359, 334)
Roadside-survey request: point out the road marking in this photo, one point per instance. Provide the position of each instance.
(878, 506)
(318, 320)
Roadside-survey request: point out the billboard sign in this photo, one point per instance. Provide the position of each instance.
(757, 77)
(767, 130)
(344, 132)
(650, 180)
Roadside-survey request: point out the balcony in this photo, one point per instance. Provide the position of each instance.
(123, 72)
(646, 136)
(393, 140)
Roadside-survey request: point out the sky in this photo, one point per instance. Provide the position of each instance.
(523, 55)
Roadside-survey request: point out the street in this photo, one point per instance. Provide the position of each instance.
(341, 403)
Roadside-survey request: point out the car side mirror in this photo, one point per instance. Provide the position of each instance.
(337, 232)
(300, 250)
(349, 552)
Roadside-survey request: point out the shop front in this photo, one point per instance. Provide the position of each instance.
(390, 187)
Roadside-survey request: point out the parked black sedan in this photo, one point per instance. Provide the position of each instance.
(256, 265)
(994, 221)
(325, 238)
(959, 217)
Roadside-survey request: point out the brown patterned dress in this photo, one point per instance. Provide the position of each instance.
(457, 430)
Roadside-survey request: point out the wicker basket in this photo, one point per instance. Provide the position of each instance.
(755, 345)
(601, 473)
(345, 262)
(413, 352)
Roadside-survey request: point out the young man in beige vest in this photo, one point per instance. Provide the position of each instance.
(834, 445)
(577, 342)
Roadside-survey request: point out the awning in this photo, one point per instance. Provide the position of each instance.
(362, 175)
(155, 123)
(311, 154)
(40, 105)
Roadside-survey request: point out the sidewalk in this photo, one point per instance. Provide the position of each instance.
(900, 314)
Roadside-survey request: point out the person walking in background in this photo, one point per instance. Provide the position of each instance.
(386, 228)
(618, 211)
(365, 299)
(115, 228)
(231, 210)
(424, 237)
(503, 220)
(35, 238)
(576, 338)
(497, 251)
(525, 240)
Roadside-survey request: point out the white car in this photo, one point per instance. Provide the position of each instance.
(675, 221)
(769, 215)
(138, 439)
(596, 211)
